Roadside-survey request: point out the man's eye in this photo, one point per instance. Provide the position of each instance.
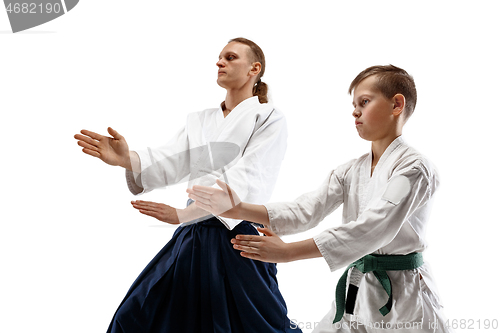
(230, 57)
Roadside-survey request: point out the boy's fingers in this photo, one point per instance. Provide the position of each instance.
(266, 231)
(199, 199)
(247, 244)
(248, 237)
(250, 255)
(203, 189)
(200, 194)
(202, 206)
(223, 186)
(247, 249)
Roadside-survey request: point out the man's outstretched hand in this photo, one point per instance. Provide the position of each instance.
(159, 211)
(111, 150)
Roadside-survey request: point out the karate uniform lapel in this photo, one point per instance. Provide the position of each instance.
(373, 181)
(226, 126)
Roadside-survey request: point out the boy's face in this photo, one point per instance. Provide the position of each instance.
(373, 112)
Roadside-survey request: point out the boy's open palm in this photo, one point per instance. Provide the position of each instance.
(214, 200)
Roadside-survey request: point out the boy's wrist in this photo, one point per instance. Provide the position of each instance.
(292, 252)
(305, 249)
(238, 211)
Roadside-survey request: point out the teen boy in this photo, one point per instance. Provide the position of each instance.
(387, 196)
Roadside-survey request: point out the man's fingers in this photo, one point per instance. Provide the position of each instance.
(114, 134)
(145, 205)
(93, 135)
(86, 145)
(91, 152)
(149, 213)
(86, 139)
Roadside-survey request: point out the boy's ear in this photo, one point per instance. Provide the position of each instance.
(399, 104)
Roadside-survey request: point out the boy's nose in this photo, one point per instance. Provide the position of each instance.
(356, 113)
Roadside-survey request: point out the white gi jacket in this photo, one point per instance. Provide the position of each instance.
(386, 213)
(255, 137)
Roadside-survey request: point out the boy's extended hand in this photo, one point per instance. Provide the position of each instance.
(269, 248)
(214, 200)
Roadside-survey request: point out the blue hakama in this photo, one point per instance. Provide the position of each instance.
(199, 283)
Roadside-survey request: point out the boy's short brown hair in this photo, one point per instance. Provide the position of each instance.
(392, 80)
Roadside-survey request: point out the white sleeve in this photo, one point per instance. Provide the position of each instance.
(308, 210)
(162, 166)
(255, 174)
(380, 222)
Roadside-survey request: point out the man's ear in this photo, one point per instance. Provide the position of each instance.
(399, 104)
(256, 68)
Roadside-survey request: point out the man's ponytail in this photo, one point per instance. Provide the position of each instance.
(260, 90)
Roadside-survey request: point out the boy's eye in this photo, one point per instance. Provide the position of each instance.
(364, 102)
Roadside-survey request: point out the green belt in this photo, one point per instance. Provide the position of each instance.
(378, 264)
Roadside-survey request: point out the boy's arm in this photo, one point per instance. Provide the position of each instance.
(308, 210)
(380, 222)
(375, 227)
(225, 202)
(270, 248)
(283, 218)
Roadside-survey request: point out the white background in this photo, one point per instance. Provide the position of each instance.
(71, 243)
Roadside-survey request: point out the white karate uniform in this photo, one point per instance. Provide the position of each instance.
(254, 134)
(383, 213)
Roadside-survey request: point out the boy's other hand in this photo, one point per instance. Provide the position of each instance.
(214, 200)
(268, 248)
